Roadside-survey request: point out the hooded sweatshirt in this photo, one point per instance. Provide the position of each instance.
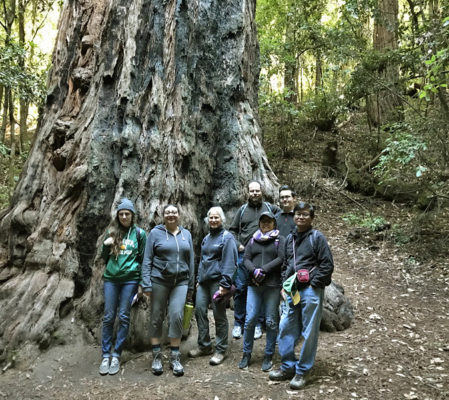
(126, 266)
(218, 257)
(168, 259)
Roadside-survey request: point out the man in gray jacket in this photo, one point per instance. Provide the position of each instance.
(244, 225)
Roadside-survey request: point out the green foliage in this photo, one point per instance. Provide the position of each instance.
(403, 151)
(437, 64)
(27, 82)
(373, 223)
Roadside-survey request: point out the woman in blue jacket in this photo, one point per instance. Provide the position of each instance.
(168, 278)
(123, 252)
(217, 266)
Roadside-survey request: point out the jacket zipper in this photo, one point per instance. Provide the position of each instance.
(177, 258)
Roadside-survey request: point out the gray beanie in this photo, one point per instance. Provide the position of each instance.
(126, 204)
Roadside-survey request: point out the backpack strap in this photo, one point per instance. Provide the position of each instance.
(312, 239)
(242, 210)
(268, 205)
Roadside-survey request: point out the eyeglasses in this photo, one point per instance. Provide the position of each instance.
(304, 215)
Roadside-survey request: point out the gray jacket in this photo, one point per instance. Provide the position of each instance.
(168, 259)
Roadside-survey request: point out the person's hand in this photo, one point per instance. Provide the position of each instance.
(189, 297)
(259, 275)
(108, 241)
(223, 290)
(283, 294)
(241, 248)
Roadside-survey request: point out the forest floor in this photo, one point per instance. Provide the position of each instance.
(396, 348)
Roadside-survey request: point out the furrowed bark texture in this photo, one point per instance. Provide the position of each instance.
(152, 99)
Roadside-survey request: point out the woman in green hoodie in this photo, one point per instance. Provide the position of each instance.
(122, 251)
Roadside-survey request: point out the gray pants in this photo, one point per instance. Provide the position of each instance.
(204, 294)
(175, 296)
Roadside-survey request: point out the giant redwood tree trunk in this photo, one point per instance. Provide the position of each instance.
(152, 99)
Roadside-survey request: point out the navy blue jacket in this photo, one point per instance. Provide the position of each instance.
(218, 257)
(311, 250)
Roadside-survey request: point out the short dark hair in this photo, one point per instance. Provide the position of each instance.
(286, 187)
(305, 206)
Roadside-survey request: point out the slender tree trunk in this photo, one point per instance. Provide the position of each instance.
(318, 73)
(4, 115)
(23, 104)
(155, 100)
(2, 97)
(385, 105)
(290, 68)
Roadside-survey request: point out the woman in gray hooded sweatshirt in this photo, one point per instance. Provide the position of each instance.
(168, 278)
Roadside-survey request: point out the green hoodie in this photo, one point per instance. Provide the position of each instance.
(127, 265)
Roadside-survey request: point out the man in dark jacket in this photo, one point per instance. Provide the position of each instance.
(307, 256)
(244, 225)
(284, 218)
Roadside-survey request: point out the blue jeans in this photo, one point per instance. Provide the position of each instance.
(241, 291)
(116, 294)
(262, 297)
(301, 320)
(204, 294)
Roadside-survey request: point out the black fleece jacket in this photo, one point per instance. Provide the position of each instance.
(310, 250)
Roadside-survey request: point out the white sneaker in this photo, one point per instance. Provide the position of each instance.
(115, 366)
(237, 332)
(104, 366)
(258, 332)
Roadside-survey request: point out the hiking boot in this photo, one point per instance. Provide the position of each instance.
(217, 358)
(257, 332)
(298, 382)
(205, 351)
(156, 365)
(244, 362)
(104, 366)
(237, 332)
(115, 366)
(175, 363)
(267, 363)
(280, 375)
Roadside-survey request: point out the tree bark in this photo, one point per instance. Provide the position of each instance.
(152, 99)
(384, 106)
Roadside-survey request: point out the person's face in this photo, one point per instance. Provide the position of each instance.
(287, 200)
(303, 220)
(171, 215)
(255, 192)
(266, 224)
(214, 220)
(125, 218)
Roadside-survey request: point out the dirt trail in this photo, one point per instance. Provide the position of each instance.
(397, 347)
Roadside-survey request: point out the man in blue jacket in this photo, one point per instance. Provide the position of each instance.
(309, 257)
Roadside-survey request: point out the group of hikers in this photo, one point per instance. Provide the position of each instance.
(270, 260)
